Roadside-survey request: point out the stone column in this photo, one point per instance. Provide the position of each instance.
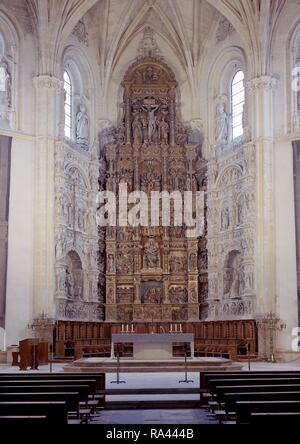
(127, 114)
(5, 156)
(172, 116)
(260, 90)
(47, 103)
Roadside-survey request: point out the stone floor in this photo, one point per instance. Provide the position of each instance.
(183, 416)
(166, 380)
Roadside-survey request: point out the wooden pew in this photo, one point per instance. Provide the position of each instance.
(245, 408)
(82, 390)
(98, 377)
(71, 399)
(275, 418)
(206, 377)
(253, 381)
(232, 398)
(55, 412)
(24, 421)
(90, 384)
(222, 390)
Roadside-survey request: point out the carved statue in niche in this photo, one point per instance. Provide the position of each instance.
(69, 283)
(61, 280)
(137, 129)
(124, 262)
(82, 126)
(233, 274)
(150, 109)
(153, 296)
(178, 295)
(163, 128)
(110, 263)
(177, 264)
(60, 248)
(151, 254)
(242, 210)
(80, 218)
(221, 123)
(193, 295)
(192, 261)
(110, 299)
(225, 221)
(5, 85)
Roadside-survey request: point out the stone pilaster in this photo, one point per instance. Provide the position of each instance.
(47, 103)
(261, 91)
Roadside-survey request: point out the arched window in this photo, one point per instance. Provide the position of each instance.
(68, 104)
(237, 104)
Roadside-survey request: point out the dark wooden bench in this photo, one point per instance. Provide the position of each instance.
(255, 381)
(275, 418)
(245, 408)
(55, 412)
(222, 390)
(232, 398)
(23, 420)
(98, 377)
(82, 390)
(71, 399)
(88, 384)
(205, 377)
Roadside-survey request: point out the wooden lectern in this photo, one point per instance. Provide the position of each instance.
(32, 353)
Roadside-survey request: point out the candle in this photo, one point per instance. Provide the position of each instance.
(131, 328)
(127, 328)
(180, 328)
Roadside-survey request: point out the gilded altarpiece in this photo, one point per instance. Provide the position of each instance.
(152, 272)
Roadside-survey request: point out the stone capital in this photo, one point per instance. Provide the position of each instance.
(262, 83)
(48, 82)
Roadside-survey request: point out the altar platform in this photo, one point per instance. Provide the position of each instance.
(128, 365)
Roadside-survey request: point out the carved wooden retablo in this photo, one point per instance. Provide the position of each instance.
(152, 272)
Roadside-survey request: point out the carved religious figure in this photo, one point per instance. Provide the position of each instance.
(225, 222)
(5, 84)
(82, 126)
(150, 110)
(137, 129)
(163, 128)
(153, 296)
(151, 255)
(69, 283)
(221, 124)
(110, 263)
